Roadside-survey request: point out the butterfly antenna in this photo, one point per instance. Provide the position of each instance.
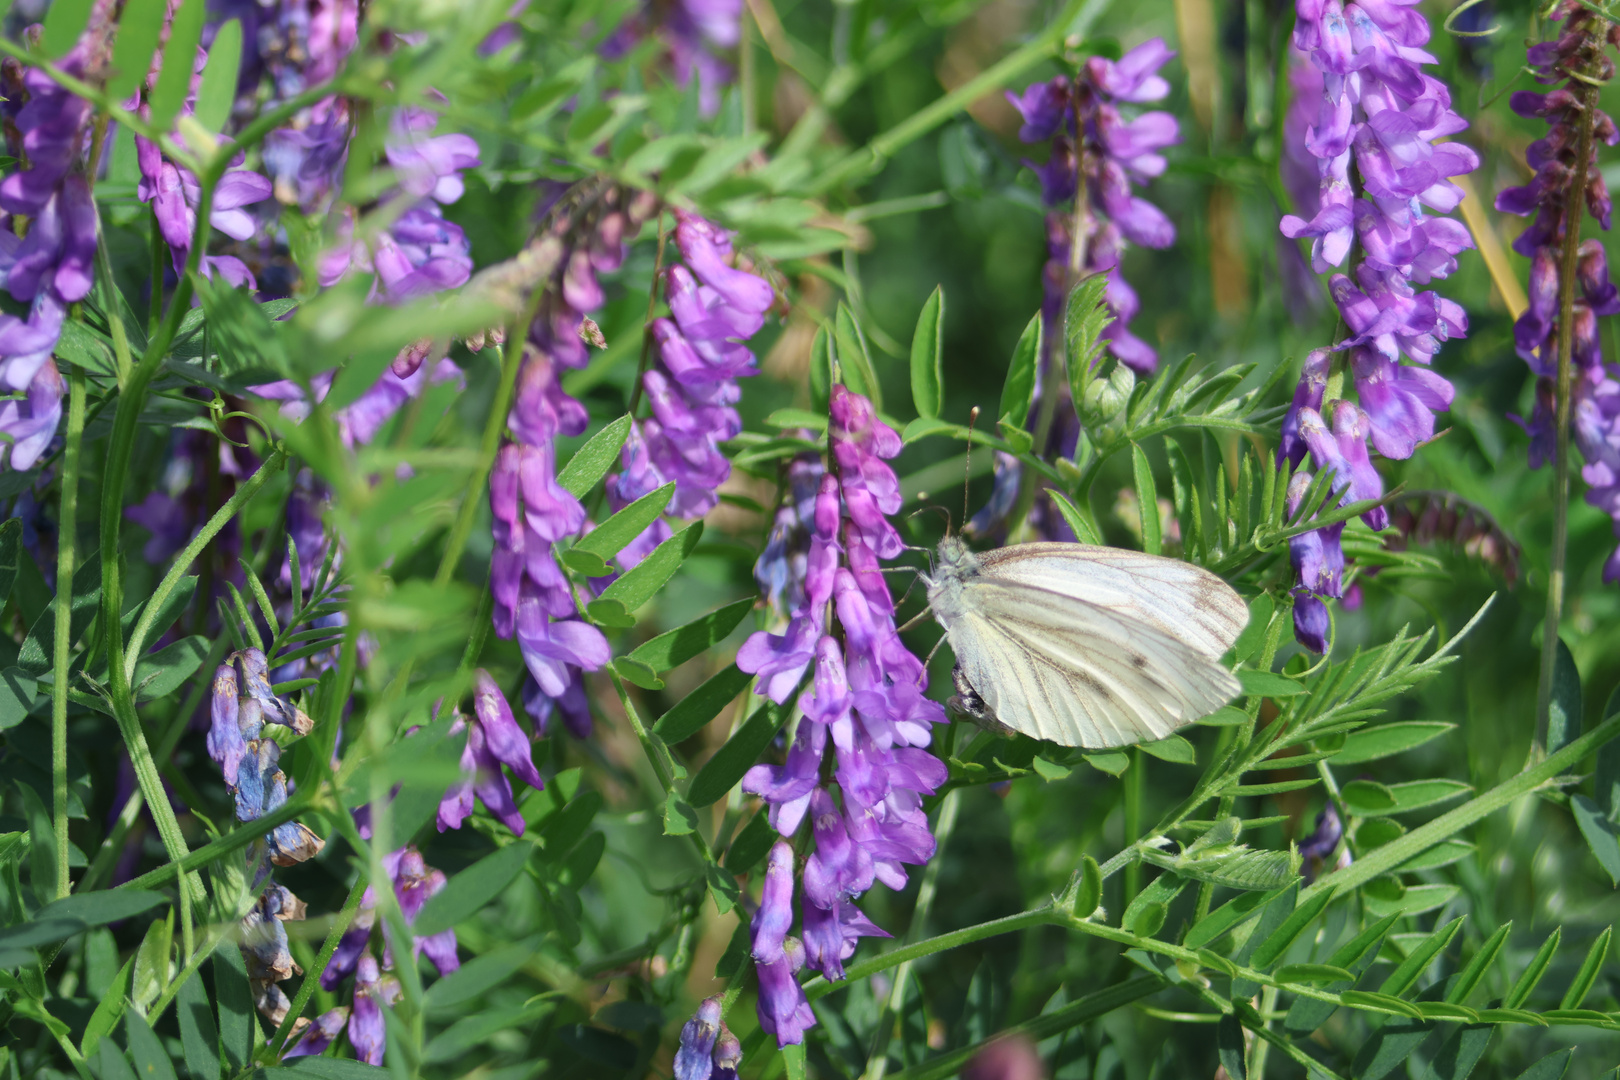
(967, 468)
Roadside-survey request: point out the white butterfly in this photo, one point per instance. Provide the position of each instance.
(1085, 646)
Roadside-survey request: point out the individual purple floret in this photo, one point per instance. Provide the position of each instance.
(698, 1055)
(784, 1011)
(368, 1031)
(1317, 848)
(866, 703)
(1373, 123)
(313, 1038)
(1594, 392)
(493, 739)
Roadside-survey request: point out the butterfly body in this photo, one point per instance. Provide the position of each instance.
(1084, 646)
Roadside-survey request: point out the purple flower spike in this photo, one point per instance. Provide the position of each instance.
(1595, 419)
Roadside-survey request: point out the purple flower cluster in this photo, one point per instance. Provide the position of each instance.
(303, 45)
(702, 353)
(533, 599)
(48, 245)
(1096, 161)
(692, 31)
(414, 883)
(867, 701)
(174, 194)
(1594, 391)
(708, 1050)
(1382, 183)
(493, 739)
(242, 704)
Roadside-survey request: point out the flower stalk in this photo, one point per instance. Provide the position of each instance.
(1569, 259)
(65, 559)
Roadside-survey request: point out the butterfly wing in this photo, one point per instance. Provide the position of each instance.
(1177, 598)
(1076, 673)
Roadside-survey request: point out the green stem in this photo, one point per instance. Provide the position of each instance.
(1133, 824)
(511, 359)
(820, 987)
(205, 536)
(1569, 258)
(68, 529)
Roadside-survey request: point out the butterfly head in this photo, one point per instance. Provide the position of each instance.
(956, 559)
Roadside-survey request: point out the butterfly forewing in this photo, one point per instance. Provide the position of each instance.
(1077, 674)
(1184, 601)
(1088, 646)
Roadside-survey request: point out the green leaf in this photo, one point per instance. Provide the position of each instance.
(1267, 684)
(1418, 959)
(751, 844)
(1370, 744)
(1564, 710)
(1272, 949)
(179, 60)
(38, 648)
(199, 1041)
(18, 693)
(1418, 794)
(1459, 988)
(1581, 985)
(10, 540)
(109, 1011)
(70, 915)
(161, 673)
(1312, 973)
(1230, 914)
(1112, 762)
(1160, 892)
(1088, 891)
(679, 818)
(1148, 919)
(151, 1060)
(820, 372)
(138, 31)
(722, 886)
(1173, 748)
(1019, 389)
(675, 647)
(798, 418)
(1460, 1053)
(238, 1023)
(927, 356)
(636, 586)
(110, 1062)
(1605, 780)
(731, 961)
(1086, 316)
(1274, 914)
(1442, 854)
(217, 91)
(1049, 770)
(1387, 1002)
(64, 23)
(722, 771)
(1229, 716)
(470, 890)
(591, 554)
(478, 975)
(1354, 956)
(1229, 1040)
(1365, 798)
(693, 713)
(1551, 1067)
(1147, 500)
(325, 1068)
(1414, 900)
(1083, 530)
(1525, 984)
(1254, 633)
(854, 361)
(592, 461)
(1602, 835)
